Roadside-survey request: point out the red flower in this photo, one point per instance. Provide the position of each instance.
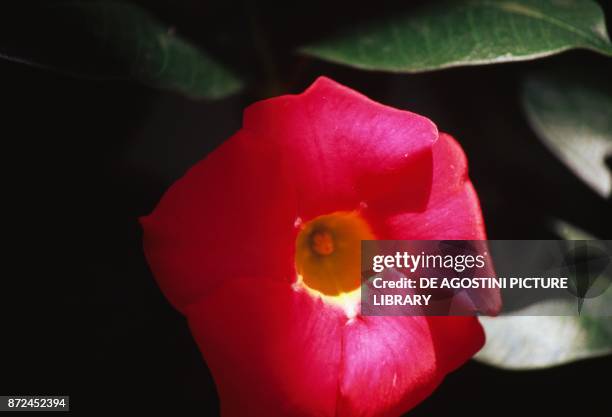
(258, 246)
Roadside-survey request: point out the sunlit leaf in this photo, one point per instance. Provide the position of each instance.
(532, 340)
(529, 342)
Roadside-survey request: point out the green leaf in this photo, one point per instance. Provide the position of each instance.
(532, 340)
(568, 231)
(113, 40)
(572, 115)
(469, 32)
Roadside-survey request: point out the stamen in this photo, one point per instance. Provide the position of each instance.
(323, 243)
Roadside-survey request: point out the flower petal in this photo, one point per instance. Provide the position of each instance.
(342, 149)
(272, 350)
(396, 352)
(452, 213)
(277, 351)
(453, 210)
(456, 339)
(232, 215)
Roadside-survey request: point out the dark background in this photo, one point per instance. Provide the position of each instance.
(80, 313)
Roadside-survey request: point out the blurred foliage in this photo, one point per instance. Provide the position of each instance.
(113, 40)
(572, 114)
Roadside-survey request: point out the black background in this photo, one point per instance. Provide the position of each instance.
(80, 312)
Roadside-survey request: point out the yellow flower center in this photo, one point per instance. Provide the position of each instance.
(328, 250)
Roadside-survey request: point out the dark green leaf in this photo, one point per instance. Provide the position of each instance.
(469, 32)
(572, 115)
(113, 40)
